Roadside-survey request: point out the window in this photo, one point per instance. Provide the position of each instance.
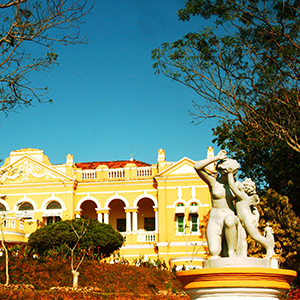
(53, 213)
(149, 224)
(26, 206)
(54, 205)
(180, 223)
(194, 219)
(52, 219)
(194, 223)
(25, 211)
(2, 207)
(121, 225)
(179, 209)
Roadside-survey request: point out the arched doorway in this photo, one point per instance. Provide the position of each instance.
(117, 215)
(146, 215)
(88, 209)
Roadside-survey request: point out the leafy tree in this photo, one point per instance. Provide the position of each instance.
(246, 67)
(267, 161)
(277, 211)
(28, 33)
(101, 238)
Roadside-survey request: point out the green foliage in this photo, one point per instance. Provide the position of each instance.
(146, 263)
(267, 161)
(246, 66)
(100, 238)
(277, 210)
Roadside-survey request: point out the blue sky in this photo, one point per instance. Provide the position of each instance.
(108, 103)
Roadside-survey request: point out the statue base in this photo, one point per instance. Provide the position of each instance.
(229, 278)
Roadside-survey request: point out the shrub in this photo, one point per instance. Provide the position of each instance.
(100, 238)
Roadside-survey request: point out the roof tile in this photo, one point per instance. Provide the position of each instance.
(110, 164)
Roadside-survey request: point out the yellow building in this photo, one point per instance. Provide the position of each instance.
(157, 207)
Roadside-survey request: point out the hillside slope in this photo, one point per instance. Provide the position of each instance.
(112, 281)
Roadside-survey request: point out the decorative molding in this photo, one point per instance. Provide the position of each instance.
(26, 169)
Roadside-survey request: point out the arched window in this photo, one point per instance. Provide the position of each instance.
(25, 210)
(53, 213)
(2, 207)
(25, 206)
(53, 205)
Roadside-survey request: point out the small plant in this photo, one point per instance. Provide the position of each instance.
(158, 264)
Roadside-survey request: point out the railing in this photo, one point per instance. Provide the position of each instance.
(142, 172)
(147, 236)
(9, 223)
(21, 225)
(124, 236)
(90, 174)
(116, 173)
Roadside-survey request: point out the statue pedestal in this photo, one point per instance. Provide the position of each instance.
(231, 280)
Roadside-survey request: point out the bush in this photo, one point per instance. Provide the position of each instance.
(100, 239)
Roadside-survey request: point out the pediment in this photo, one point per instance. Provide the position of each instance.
(27, 169)
(185, 166)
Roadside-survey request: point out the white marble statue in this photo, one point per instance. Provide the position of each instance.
(245, 198)
(233, 214)
(222, 224)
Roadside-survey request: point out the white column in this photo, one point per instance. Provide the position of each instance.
(128, 221)
(193, 190)
(77, 213)
(134, 221)
(106, 218)
(156, 220)
(100, 217)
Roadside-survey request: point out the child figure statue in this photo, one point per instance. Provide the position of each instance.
(245, 198)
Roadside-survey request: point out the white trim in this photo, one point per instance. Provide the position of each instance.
(116, 197)
(98, 205)
(176, 164)
(180, 209)
(52, 213)
(12, 233)
(145, 195)
(25, 214)
(38, 162)
(49, 199)
(25, 199)
(138, 246)
(5, 204)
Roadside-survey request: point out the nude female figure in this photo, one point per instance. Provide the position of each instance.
(246, 194)
(222, 219)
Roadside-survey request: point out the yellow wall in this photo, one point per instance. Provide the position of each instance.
(147, 191)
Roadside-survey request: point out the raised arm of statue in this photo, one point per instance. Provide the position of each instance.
(231, 182)
(200, 166)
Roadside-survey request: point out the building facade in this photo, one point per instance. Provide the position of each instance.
(160, 209)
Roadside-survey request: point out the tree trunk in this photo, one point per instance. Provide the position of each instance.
(75, 279)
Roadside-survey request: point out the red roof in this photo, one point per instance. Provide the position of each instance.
(110, 164)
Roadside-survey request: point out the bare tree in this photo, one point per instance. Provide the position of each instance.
(2, 223)
(79, 236)
(29, 31)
